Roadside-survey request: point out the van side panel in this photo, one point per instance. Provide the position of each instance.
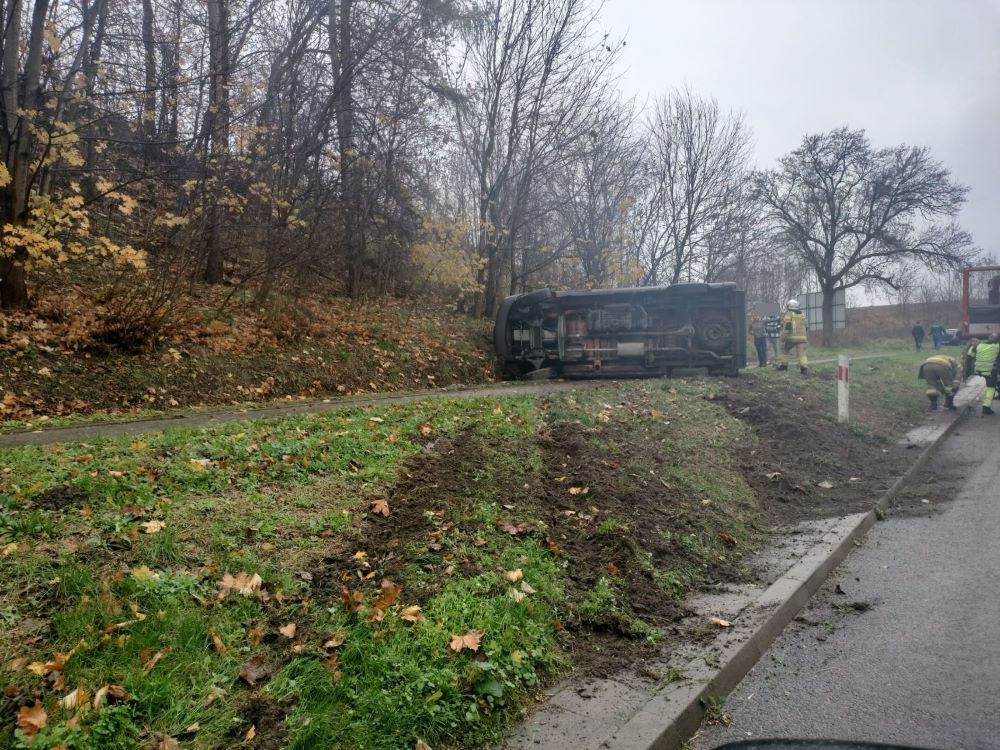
(623, 332)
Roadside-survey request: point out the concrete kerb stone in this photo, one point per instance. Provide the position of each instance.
(675, 714)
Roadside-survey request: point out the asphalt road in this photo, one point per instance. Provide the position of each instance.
(907, 649)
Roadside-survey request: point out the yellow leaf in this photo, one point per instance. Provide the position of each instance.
(411, 614)
(75, 699)
(143, 573)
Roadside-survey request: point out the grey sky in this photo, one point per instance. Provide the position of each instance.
(925, 72)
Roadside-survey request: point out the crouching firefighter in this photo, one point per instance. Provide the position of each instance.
(942, 375)
(795, 335)
(984, 359)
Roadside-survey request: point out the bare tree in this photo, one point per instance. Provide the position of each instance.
(597, 190)
(531, 78)
(858, 216)
(696, 157)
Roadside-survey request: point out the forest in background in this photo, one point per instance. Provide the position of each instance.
(238, 151)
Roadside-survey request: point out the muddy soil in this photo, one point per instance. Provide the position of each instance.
(800, 451)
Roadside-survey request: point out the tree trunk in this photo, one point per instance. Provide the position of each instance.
(16, 140)
(148, 124)
(217, 121)
(344, 64)
(828, 295)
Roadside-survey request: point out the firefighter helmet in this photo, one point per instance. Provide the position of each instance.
(793, 304)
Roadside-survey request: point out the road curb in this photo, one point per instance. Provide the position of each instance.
(672, 716)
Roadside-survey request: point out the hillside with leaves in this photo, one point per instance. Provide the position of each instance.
(65, 359)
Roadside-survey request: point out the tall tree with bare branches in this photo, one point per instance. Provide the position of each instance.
(857, 215)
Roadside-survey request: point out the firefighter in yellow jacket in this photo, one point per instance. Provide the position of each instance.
(984, 359)
(794, 335)
(942, 375)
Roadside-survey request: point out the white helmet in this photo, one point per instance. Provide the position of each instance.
(793, 304)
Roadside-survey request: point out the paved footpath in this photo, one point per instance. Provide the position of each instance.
(922, 665)
(92, 430)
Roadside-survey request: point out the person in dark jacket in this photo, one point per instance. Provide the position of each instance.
(937, 333)
(759, 335)
(772, 328)
(918, 334)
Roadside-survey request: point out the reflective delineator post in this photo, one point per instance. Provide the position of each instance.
(843, 387)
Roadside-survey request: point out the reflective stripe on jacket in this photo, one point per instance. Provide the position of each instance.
(985, 354)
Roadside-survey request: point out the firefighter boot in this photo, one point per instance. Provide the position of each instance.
(949, 402)
(804, 370)
(933, 400)
(987, 410)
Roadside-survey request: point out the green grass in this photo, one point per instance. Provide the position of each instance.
(290, 500)
(885, 395)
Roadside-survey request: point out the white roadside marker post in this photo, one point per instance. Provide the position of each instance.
(843, 387)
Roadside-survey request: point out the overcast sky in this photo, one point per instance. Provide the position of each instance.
(923, 72)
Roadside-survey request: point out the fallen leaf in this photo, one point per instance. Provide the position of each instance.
(166, 742)
(16, 665)
(75, 699)
(468, 640)
(31, 719)
(517, 596)
(288, 630)
(137, 445)
(389, 593)
(200, 464)
(242, 583)
(154, 659)
(826, 485)
(381, 506)
(114, 691)
(508, 528)
(773, 474)
(526, 588)
(143, 573)
(251, 733)
(254, 670)
(514, 575)
(728, 538)
(267, 547)
(153, 527)
(421, 745)
(352, 600)
(359, 555)
(38, 667)
(8, 549)
(719, 621)
(393, 437)
(579, 490)
(613, 569)
(411, 614)
(214, 694)
(220, 647)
